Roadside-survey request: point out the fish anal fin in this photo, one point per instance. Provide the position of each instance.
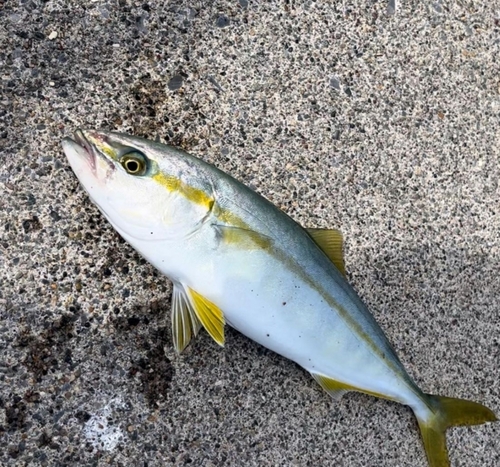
(331, 242)
(332, 387)
(209, 315)
(337, 388)
(185, 323)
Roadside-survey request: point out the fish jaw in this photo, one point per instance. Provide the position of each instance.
(93, 170)
(79, 157)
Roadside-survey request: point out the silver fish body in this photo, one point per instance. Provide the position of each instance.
(235, 258)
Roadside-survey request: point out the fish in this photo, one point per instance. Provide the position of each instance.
(236, 259)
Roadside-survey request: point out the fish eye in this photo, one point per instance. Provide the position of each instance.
(134, 163)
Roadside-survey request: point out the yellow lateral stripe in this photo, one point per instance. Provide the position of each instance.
(239, 233)
(195, 195)
(229, 218)
(198, 196)
(246, 239)
(210, 316)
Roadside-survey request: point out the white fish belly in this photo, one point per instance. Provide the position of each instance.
(274, 307)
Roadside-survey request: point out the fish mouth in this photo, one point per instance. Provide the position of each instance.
(89, 151)
(84, 143)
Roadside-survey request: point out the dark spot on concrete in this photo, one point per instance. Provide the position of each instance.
(44, 440)
(146, 99)
(106, 272)
(15, 414)
(31, 396)
(216, 85)
(335, 83)
(82, 416)
(48, 350)
(130, 319)
(222, 21)
(27, 199)
(55, 216)
(154, 372)
(133, 321)
(13, 452)
(30, 225)
(391, 7)
(175, 83)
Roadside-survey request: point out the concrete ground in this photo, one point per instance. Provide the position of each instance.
(381, 119)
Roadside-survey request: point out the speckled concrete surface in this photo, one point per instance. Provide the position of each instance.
(383, 122)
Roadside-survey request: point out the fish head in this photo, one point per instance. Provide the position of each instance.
(147, 190)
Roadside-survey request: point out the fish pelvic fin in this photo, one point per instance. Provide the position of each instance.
(209, 315)
(444, 413)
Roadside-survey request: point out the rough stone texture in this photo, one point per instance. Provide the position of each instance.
(380, 118)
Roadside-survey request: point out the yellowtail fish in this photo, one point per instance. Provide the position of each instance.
(234, 258)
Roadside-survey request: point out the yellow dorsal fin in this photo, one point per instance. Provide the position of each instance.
(185, 323)
(210, 316)
(330, 241)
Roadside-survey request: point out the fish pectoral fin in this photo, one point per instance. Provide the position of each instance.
(185, 322)
(244, 238)
(209, 315)
(332, 387)
(331, 242)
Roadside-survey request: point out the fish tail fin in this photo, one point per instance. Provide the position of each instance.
(443, 413)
